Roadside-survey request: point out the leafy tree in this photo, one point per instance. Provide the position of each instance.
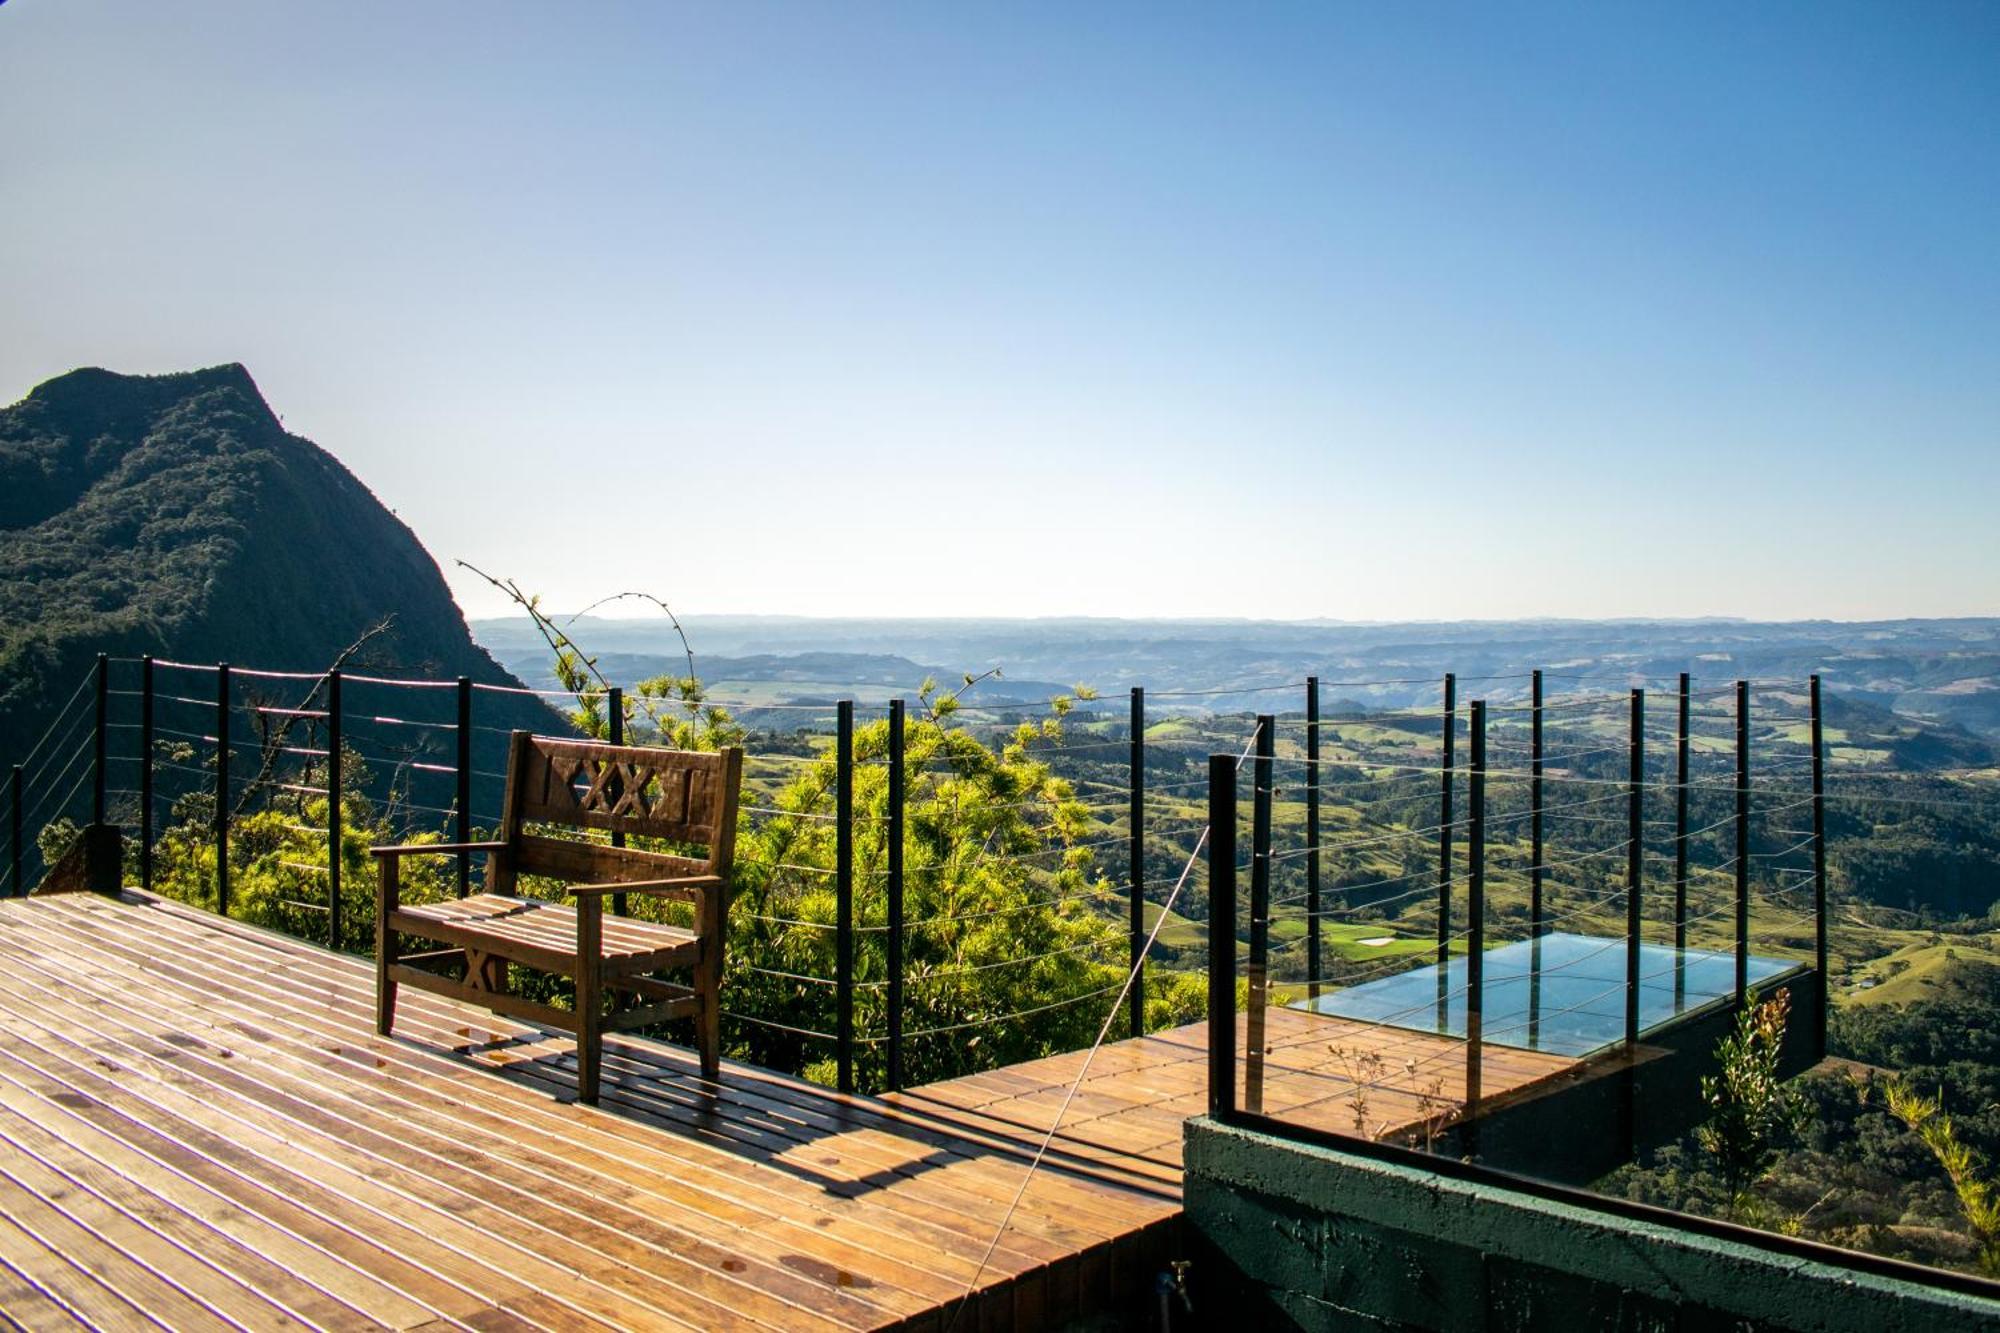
(278, 856)
(1006, 930)
(1752, 1111)
(1971, 1178)
(56, 837)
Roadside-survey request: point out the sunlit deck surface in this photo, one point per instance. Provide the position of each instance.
(199, 1128)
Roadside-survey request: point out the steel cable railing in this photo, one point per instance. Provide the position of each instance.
(402, 761)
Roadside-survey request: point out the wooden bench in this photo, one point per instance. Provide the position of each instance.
(682, 797)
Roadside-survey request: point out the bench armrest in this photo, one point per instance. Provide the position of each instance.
(683, 887)
(436, 848)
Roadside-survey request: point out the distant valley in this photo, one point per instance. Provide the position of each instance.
(1943, 672)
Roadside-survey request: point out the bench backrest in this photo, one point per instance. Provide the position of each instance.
(686, 797)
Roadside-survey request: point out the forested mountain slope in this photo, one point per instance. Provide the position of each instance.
(173, 515)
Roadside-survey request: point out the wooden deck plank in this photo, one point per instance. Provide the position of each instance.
(614, 1219)
(173, 1101)
(959, 1277)
(199, 1125)
(147, 1124)
(792, 1109)
(254, 1210)
(48, 1291)
(23, 1304)
(102, 1284)
(490, 1191)
(394, 1049)
(117, 1198)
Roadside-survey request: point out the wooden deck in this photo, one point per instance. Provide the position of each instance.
(199, 1129)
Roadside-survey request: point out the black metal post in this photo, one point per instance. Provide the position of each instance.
(465, 791)
(1312, 839)
(1446, 764)
(222, 788)
(1742, 842)
(1444, 828)
(146, 773)
(1537, 856)
(1221, 933)
(20, 890)
(1682, 752)
(614, 730)
(843, 930)
(1635, 864)
(1536, 834)
(1136, 861)
(101, 755)
(1819, 862)
(894, 938)
(1475, 911)
(334, 832)
(1258, 971)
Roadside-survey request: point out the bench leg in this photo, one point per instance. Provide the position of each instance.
(589, 996)
(709, 1017)
(708, 1035)
(708, 985)
(388, 896)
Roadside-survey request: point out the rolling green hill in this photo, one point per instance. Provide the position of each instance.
(1922, 971)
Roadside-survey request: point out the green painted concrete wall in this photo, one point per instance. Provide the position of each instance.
(1289, 1235)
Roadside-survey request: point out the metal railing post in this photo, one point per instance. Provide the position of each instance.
(614, 730)
(1446, 764)
(1475, 910)
(334, 833)
(1742, 842)
(1683, 752)
(146, 773)
(1136, 862)
(1221, 935)
(464, 795)
(1635, 864)
(1312, 839)
(222, 788)
(1260, 914)
(1537, 848)
(843, 933)
(894, 938)
(101, 751)
(19, 889)
(1819, 861)
(1445, 797)
(1537, 858)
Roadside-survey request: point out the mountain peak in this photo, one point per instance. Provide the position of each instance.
(114, 397)
(172, 514)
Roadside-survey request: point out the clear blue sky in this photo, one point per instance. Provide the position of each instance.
(1372, 311)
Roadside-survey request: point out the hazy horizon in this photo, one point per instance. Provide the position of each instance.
(639, 616)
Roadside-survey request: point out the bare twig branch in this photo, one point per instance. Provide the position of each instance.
(273, 741)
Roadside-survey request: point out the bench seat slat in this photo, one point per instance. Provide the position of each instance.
(547, 930)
